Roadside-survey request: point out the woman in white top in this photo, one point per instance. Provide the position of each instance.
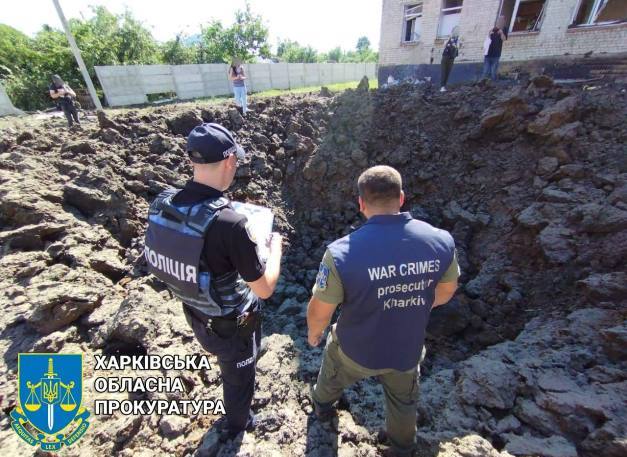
(238, 78)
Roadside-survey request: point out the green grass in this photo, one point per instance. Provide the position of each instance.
(339, 87)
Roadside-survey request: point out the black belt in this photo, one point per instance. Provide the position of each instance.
(241, 320)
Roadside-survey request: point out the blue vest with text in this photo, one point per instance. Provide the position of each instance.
(389, 268)
(174, 246)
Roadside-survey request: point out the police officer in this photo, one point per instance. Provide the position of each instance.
(207, 255)
(388, 275)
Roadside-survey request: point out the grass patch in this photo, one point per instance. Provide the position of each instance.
(339, 87)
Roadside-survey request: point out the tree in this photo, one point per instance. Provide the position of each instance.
(16, 50)
(246, 39)
(363, 44)
(335, 55)
(364, 52)
(104, 39)
(292, 51)
(178, 51)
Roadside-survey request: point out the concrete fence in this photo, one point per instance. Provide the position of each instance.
(6, 107)
(130, 84)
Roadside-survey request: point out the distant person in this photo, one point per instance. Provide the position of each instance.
(387, 276)
(492, 47)
(238, 78)
(64, 95)
(450, 52)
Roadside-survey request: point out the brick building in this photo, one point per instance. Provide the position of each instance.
(413, 32)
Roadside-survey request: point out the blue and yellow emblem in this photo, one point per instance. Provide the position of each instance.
(50, 392)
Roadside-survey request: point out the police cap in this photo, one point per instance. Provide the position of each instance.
(210, 143)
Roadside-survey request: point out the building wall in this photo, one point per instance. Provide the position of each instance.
(477, 18)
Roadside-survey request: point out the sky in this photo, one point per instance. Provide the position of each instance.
(323, 24)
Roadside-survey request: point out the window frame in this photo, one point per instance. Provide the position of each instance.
(411, 16)
(510, 26)
(593, 14)
(444, 10)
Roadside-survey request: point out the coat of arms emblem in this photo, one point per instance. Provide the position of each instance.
(50, 391)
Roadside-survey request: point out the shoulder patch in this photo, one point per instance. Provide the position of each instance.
(323, 277)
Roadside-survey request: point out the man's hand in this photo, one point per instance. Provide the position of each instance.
(275, 242)
(444, 291)
(264, 286)
(314, 339)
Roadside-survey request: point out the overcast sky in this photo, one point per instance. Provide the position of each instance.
(322, 24)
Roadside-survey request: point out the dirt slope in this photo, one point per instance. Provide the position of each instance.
(528, 358)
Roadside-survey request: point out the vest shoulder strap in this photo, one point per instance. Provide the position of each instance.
(199, 220)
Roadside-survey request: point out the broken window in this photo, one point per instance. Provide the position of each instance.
(450, 16)
(412, 20)
(599, 12)
(523, 15)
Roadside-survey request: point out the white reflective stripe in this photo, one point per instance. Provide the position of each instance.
(254, 347)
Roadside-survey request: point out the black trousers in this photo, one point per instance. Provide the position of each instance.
(446, 66)
(237, 359)
(70, 113)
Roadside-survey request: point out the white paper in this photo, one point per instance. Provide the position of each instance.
(260, 221)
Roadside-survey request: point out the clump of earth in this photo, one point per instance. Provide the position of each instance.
(529, 358)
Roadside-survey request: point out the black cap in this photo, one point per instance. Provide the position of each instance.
(210, 143)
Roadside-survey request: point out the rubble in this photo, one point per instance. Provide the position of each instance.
(527, 359)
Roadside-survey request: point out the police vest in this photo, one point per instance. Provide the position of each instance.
(174, 245)
(389, 269)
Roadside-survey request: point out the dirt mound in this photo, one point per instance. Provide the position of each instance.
(530, 181)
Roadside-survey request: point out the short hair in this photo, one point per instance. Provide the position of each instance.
(380, 185)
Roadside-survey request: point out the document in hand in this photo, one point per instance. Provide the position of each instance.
(260, 220)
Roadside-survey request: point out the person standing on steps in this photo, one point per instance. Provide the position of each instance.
(207, 255)
(492, 48)
(238, 78)
(387, 275)
(63, 94)
(450, 52)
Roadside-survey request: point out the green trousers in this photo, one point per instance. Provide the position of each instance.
(338, 371)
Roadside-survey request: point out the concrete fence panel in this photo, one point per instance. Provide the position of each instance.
(129, 84)
(354, 71)
(259, 77)
(326, 73)
(157, 78)
(122, 85)
(371, 70)
(280, 76)
(188, 81)
(296, 73)
(312, 74)
(215, 79)
(6, 107)
(337, 73)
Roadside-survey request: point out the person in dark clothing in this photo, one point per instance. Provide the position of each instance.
(450, 52)
(207, 255)
(64, 95)
(492, 48)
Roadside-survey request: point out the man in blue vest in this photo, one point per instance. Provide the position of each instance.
(207, 255)
(388, 275)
